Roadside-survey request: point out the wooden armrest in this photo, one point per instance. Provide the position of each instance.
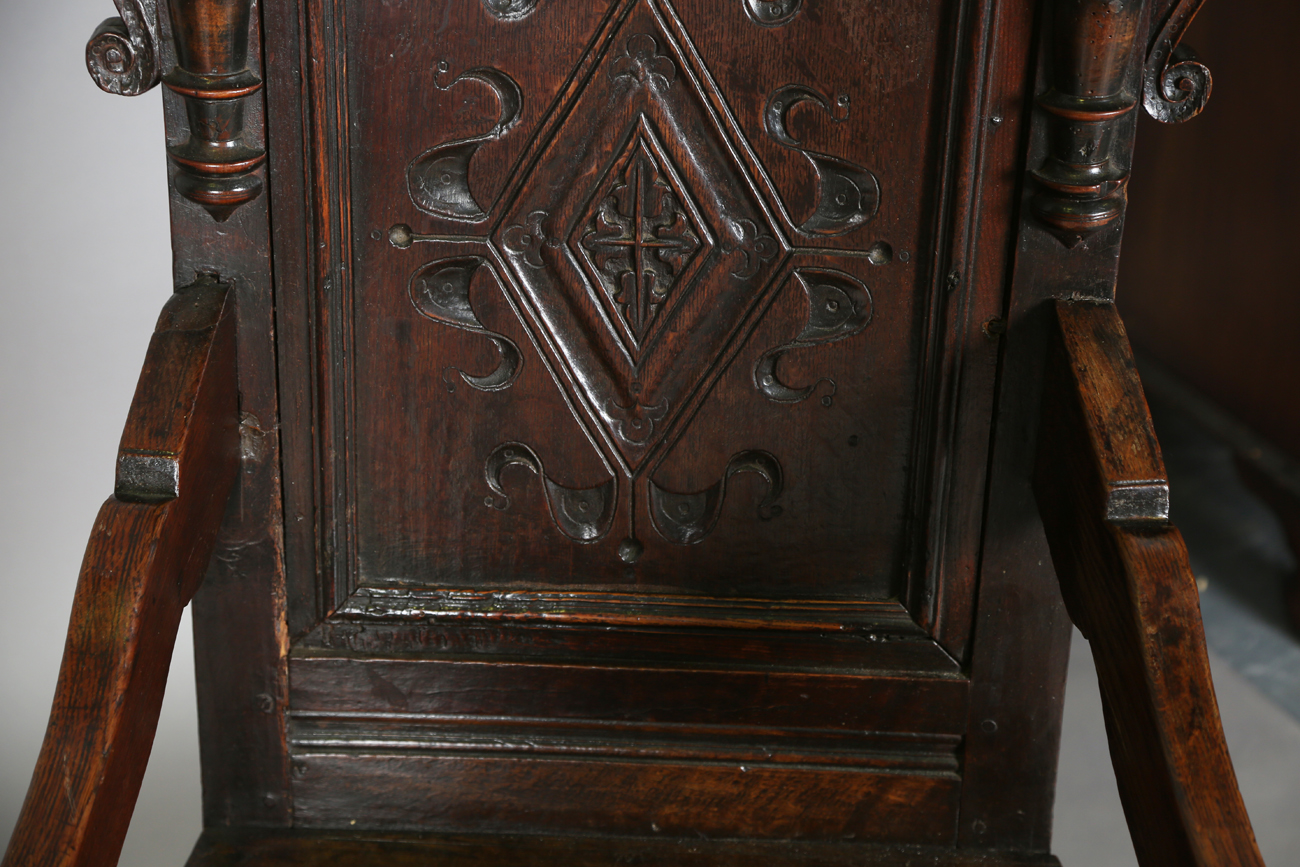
(146, 556)
(1123, 569)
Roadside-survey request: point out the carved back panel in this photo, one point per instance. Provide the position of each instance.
(631, 308)
(637, 321)
(637, 389)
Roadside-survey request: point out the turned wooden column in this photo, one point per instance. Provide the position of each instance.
(216, 166)
(1094, 60)
(1081, 184)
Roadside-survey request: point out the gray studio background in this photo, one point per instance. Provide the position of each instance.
(85, 267)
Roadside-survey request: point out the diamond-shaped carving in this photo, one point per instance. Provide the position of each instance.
(640, 237)
(636, 273)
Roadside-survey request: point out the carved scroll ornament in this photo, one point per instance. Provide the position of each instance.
(586, 515)
(847, 194)
(438, 179)
(440, 291)
(1175, 86)
(582, 514)
(216, 166)
(685, 519)
(839, 306)
(122, 55)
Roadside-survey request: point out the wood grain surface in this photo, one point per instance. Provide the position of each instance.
(253, 848)
(637, 406)
(1129, 588)
(143, 563)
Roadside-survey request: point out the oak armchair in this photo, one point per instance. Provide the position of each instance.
(618, 432)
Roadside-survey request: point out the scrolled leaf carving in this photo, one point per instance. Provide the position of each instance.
(848, 195)
(122, 55)
(582, 514)
(685, 519)
(440, 291)
(839, 306)
(1175, 85)
(438, 179)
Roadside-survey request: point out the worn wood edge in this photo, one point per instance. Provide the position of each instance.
(1181, 688)
(157, 431)
(219, 847)
(1117, 421)
(623, 609)
(1128, 586)
(141, 566)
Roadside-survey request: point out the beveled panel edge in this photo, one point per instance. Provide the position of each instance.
(448, 735)
(723, 649)
(621, 692)
(546, 626)
(876, 621)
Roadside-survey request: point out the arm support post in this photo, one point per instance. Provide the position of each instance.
(147, 554)
(1123, 569)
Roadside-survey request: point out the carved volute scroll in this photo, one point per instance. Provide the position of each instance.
(122, 55)
(212, 74)
(1175, 86)
(582, 514)
(440, 291)
(685, 519)
(438, 179)
(848, 195)
(839, 306)
(1092, 50)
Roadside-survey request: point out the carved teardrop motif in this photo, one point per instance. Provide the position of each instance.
(440, 291)
(509, 10)
(848, 195)
(438, 179)
(772, 13)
